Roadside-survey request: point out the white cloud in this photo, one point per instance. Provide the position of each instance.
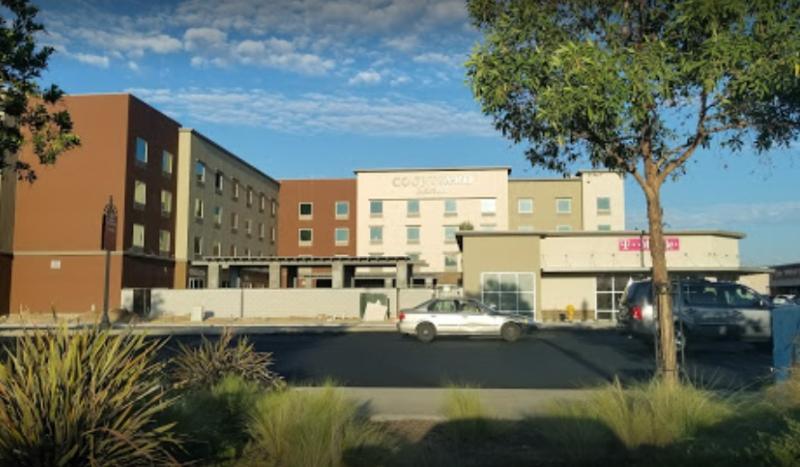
(724, 215)
(132, 44)
(400, 80)
(318, 113)
(437, 58)
(133, 66)
(403, 43)
(365, 77)
(100, 61)
(203, 39)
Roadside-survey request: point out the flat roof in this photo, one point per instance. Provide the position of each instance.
(435, 169)
(739, 270)
(305, 260)
(228, 153)
(590, 233)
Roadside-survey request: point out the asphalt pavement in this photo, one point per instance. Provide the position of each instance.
(547, 359)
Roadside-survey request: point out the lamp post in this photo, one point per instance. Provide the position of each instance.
(108, 244)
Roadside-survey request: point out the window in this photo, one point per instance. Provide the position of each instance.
(141, 151)
(609, 295)
(218, 215)
(198, 246)
(166, 163)
(563, 228)
(450, 261)
(139, 194)
(234, 221)
(413, 256)
(200, 172)
(450, 208)
(262, 203)
(342, 236)
(247, 252)
(604, 227)
(488, 207)
(525, 228)
(342, 209)
(442, 306)
(450, 233)
(604, 205)
(248, 226)
(274, 209)
(488, 227)
(262, 231)
(166, 202)
(233, 251)
(739, 296)
(235, 189)
(525, 206)
(249, 197)
(509, 291)
(564, 205)
(306, 210)
(138, 236)
(199, 208)
(376, 208)
(412, 234)
(306, 236)
(412, 208)
(272, 235)
(219, 181)
(376, 235)
(164, 241)
(217, 249)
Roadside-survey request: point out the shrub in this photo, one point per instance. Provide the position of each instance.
(319, 428)
(82, 398)
(466, 413)
(208, 363)
(213, 421)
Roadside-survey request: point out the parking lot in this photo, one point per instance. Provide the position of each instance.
(552, 358)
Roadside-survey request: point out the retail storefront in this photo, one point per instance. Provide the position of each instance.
(547, 273)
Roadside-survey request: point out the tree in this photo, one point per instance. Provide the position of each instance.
(28, 111)
(466, 225)
(637, 86)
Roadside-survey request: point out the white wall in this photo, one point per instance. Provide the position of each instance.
(273, 303)
(603, 184)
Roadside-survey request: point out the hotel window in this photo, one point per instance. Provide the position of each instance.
(219, 181)
(199, 208)
(488, 207)
(509, 291)
(233, 251)
(342, 236)
(200, 172)
(234, 221)
(525, 206)
(564, 205)
(306, 236)
(604, 205)
(141, 151)
(139, 194)
(450, 233)
(247, 252)
(376, 208)
(235, 189)
(138, 236)
(218, 216)
(164, 240)
(342, 209)
(412, 234)
(525, 228)
(166, 163)
(563, 228)
(488, 227)
(262, 231)
(412, 208)
(604, 227)
(262, 203)
(217, 251)
(451, 261)
(413, 256)
(272, 235)
(166, 203)
(248, 227)
(376, 235)
(249, 197)
(450, 207)
(198, 246)
(306, 210)
(274, 208)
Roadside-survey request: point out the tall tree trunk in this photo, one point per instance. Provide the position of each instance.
(667, 358)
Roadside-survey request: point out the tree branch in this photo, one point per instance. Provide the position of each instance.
(669, 165)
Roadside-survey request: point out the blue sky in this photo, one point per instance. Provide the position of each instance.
(316, 88)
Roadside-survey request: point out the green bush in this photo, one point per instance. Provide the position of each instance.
(82, 398)
(318, 427)
(466, 414)
(213, 421)
(208, 363)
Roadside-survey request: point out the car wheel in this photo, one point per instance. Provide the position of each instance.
(510, 332)
(426, 332)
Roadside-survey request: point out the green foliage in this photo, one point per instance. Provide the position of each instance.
(208, 363)
(213, 421)
(782, 450)
(320, 428)
(618, 82)
(463, 403)
(466, 226)
(82, 398)
(27, 110)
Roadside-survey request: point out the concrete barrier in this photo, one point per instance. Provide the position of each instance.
(273, 303)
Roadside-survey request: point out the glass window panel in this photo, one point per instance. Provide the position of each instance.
(166, 162)
(491, 282)
(564, 205)
(604, 283)
(305, 235)
(450, 206)
(526, 282)
(604, 301)
(412, 234)
(376, 234)
(508, 302)
(450, 233)
(342, 235)
(412, 207)
(525, 206)
(526, 301)
(603, 205)
(488, 206)
(200, 171)
(342, 208)
(492, 299)
(141, 150)
(508, 283)
(376, 208)
(306, 209)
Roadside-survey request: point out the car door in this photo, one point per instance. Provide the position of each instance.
(443, 313)
(478, 319)
(749, 311)
(704, 308)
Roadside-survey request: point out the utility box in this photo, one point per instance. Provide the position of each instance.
(785, 340)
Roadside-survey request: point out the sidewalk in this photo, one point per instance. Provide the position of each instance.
(389, 404)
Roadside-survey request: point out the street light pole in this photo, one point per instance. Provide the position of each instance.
(108, 243)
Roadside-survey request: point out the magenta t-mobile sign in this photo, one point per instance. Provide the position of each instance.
(643, 244)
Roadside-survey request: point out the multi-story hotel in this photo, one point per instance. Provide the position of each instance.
(225, 207)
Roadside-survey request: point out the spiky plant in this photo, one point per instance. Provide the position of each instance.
(207, 364)
(82, 398)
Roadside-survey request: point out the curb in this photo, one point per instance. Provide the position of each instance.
(212, 329)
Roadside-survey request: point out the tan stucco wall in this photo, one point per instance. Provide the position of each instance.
(559, 292)
(603, 184)
(500, 254)
(757, 282)
(395, 188)
(544, 194)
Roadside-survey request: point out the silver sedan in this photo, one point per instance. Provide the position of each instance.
(458, 316)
